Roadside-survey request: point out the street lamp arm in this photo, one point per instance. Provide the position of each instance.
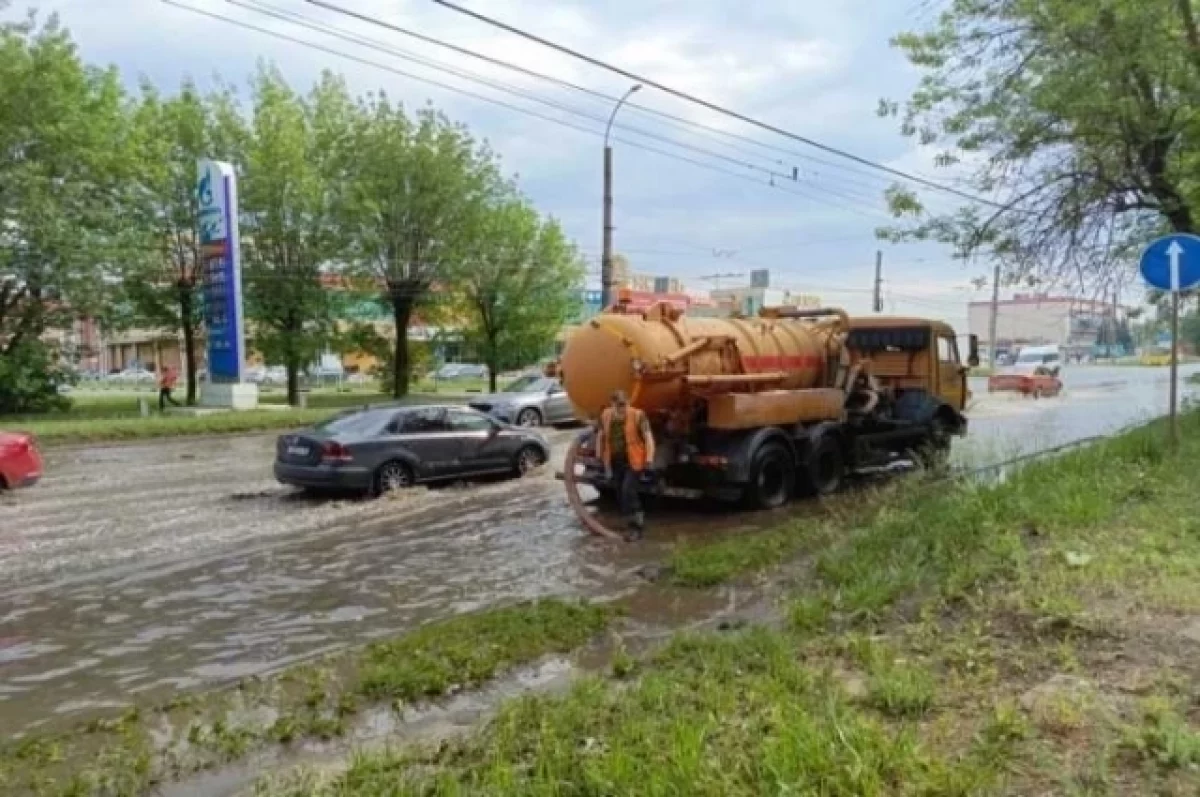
(612, 116)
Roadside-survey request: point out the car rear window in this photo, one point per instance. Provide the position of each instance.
(529, 384)
(354, 423)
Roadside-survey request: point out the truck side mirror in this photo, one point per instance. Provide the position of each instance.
(973, 352)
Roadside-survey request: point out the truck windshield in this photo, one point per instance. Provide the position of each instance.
(868, 339)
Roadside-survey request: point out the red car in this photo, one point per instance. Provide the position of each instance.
(1039, 383)
(20, 462)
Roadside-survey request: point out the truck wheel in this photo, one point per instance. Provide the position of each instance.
(772, 476)
(934, 452)
(822, 470)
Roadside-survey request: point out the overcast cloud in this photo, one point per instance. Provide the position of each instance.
(816, 68)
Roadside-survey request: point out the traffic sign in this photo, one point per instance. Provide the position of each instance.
(1172, 262)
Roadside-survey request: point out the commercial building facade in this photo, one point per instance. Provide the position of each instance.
(1075, 325)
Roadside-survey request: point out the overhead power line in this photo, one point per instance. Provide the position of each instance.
(474, 77)
(772, 183)
(598, 95)
(706, 104)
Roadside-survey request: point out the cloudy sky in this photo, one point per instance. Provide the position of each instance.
(690, 201)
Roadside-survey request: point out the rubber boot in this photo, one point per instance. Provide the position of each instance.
(637, 527)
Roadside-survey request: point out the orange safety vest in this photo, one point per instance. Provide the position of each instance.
(635, 446)
(167, 379)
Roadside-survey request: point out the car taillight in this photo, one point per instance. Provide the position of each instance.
(332, 451)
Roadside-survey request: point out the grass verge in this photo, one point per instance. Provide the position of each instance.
(133, 754)
(1036, 636)
(101, 417)
(67, 431)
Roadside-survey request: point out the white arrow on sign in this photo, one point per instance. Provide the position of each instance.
(1174, 251)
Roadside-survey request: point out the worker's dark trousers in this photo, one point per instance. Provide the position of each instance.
(626, 480)
(164, 395)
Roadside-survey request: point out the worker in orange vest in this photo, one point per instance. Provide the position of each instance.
(166, 383)
(626, 445)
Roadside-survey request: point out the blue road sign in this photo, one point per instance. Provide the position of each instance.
(1172, 263)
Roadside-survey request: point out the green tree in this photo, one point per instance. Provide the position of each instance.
(519, 287)
(1189, 330)
(162, 278)
(61, 151)
(289, 233)
(1076, 116)
(418, 188)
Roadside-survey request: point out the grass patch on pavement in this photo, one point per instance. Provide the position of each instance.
(1035, 636)
(134, 753)
(717, 562)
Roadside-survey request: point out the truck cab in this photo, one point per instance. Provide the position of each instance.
(919, 362)
(915, 354)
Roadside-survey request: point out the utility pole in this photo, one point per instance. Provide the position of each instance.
(995, 316)
(606, 265)
(879, 280)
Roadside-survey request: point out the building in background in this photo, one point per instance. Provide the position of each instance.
(151, 349)
(1081, 327)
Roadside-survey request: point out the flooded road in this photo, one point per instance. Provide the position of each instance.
(133, 571)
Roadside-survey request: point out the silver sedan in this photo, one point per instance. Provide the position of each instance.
(531, 400)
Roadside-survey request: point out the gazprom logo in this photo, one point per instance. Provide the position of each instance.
(210, 193)
(204, 190)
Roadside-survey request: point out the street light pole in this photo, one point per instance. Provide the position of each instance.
(606, 270)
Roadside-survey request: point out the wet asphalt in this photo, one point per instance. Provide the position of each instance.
(134, 571)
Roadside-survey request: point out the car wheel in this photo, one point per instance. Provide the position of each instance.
(529, 417)
(529, 459)
(772, 477)
(392, 477)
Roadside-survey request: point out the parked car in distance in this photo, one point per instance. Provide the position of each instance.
(382, 449)
(326, 372)
(20, 460)
(451, 371)
(133, 376)
(531, 400)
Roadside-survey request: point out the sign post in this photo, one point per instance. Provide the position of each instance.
(1172, 263)
(221, 267)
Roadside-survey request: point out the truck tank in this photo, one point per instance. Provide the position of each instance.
(660, 357)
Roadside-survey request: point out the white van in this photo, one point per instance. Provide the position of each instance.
(1031, 358)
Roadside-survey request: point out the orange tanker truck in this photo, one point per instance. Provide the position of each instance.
(761, 409)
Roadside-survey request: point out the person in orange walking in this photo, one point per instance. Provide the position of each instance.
(166, 383)
(626, 446)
